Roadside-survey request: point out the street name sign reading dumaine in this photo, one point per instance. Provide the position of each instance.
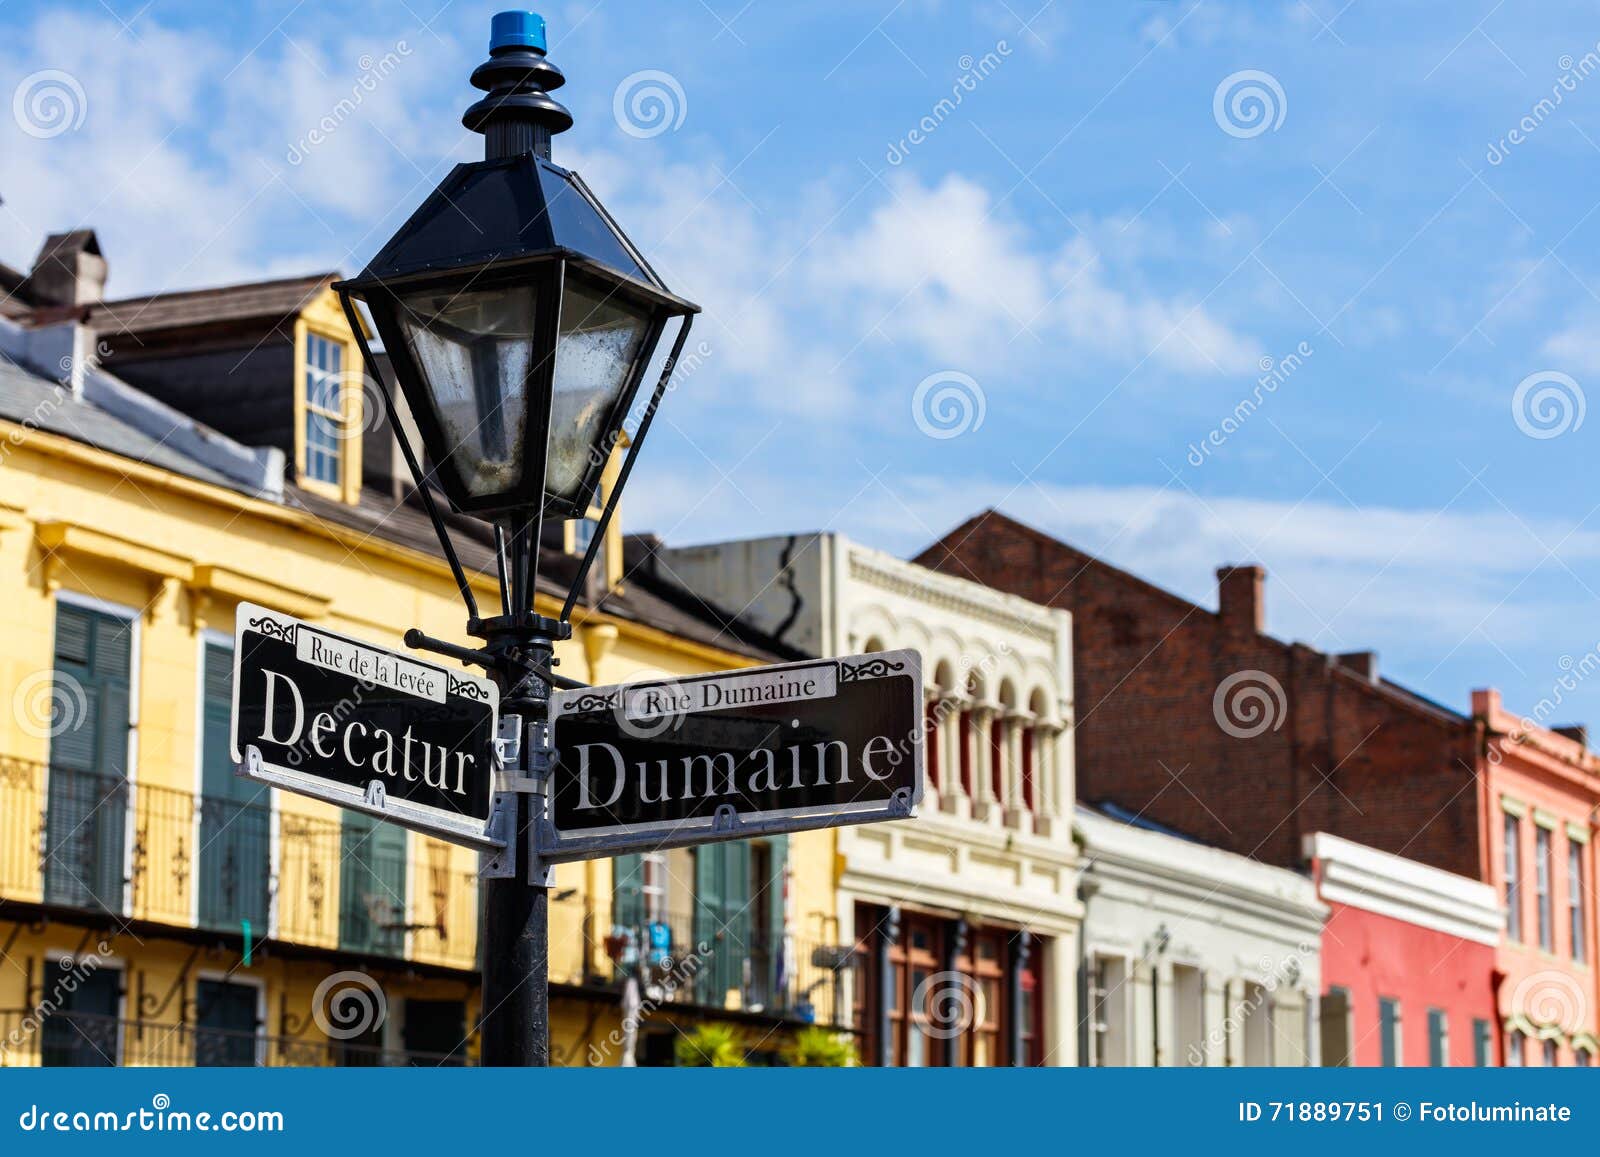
(368, 729)
(771, 749)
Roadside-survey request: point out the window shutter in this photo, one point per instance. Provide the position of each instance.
(87, 799)
(627, 892)
(1335, 1018)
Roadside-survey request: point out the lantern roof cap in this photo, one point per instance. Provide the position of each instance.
(512, 209)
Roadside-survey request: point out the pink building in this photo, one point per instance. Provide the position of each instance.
(1408, 960)
(1540, 791)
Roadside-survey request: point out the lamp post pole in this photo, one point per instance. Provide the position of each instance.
(514, 1020)
(518, 116)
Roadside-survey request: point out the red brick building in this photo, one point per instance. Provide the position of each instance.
(1202, 722)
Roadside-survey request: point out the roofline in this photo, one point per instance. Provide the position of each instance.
(293, 518)
(234, 287)
(1388, 688)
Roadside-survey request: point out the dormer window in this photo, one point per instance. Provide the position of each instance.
(583, 528)
(324, 421)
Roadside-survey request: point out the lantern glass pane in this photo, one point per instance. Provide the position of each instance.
(602, 335)
(475, 351)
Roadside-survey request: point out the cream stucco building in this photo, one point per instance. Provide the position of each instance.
(965, 919)
(1193, 956)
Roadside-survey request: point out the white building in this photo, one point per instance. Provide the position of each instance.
(1193, 956)
(965, 919)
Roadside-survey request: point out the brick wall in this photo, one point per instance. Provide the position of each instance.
(1318, 744)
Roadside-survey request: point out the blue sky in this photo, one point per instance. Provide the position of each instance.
(1096, 248)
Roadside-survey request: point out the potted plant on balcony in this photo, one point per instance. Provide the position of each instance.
(817, 1048)
(713, 1046)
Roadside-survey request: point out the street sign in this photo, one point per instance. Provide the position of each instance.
(368, 729)
(672, 762)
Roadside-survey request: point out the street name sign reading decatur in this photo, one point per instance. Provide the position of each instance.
(368, 729)
(712, 757)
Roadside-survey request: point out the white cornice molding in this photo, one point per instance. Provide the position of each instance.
(960, 596)
(1124, 854)
(1403, 889)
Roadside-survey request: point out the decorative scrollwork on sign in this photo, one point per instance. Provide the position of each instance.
(273, 628)
(873, 668)
(593, 702)
(466, 688)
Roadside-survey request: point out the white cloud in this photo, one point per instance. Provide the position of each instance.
(944, 268)
(1576, 349)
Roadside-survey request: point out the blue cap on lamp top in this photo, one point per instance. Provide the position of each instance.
(517, 30)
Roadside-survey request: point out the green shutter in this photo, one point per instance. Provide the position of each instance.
(722, 916)
(372, 889)
(770, 955)
(88, 793)
(235, 814)
(627, 892)
(627, 908)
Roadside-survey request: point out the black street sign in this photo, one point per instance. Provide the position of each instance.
(368, 729)
(715, 757)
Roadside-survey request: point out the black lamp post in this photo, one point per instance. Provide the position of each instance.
(520, 322)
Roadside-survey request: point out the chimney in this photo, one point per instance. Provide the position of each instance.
(69, 270)
(1363, 663)
(1239, 604)
(1577, 732)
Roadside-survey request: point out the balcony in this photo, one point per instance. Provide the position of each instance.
(100, 845)
(97, 845)
(78, 1040)
(692, 960)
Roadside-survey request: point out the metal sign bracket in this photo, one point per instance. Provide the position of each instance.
(497, 865)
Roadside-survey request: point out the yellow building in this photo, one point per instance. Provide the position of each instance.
(156, 909)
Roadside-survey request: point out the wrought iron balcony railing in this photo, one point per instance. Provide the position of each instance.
(713, 959)
(80, 1040)
(103, 845)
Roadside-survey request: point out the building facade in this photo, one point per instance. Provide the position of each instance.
(1273, 742)
(1193, 956)
(1408, 960)
(1540, 793)
(155, 908)
(965, 921)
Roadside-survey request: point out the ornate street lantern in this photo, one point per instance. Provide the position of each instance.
(518, 318)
